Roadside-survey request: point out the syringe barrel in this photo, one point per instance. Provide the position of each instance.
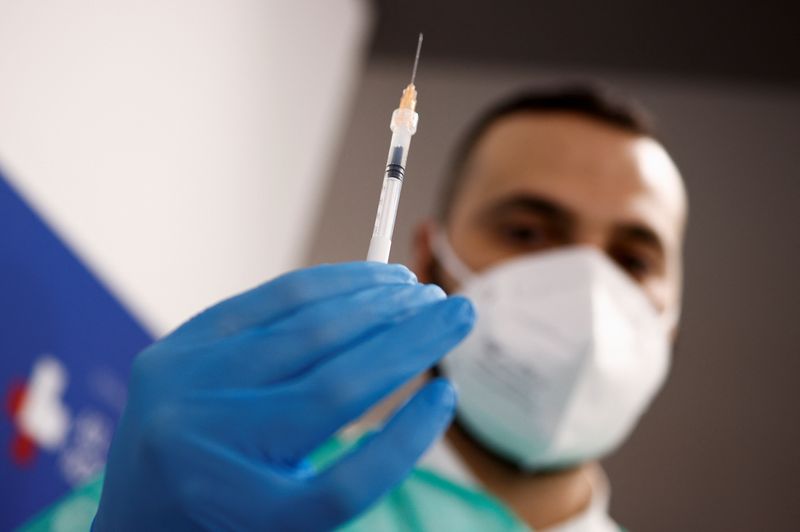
(403, 126)
(381, 241)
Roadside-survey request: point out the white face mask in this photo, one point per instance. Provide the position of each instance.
(567, 352)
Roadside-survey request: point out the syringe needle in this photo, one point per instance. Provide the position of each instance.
(416, 60)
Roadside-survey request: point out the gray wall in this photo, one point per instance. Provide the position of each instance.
(718, 450)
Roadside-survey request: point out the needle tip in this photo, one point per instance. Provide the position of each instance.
(416, 59)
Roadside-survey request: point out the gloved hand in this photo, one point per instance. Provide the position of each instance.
(222, 412)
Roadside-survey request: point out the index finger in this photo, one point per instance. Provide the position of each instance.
(290, 292)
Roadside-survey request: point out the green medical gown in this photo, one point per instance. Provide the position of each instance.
(425, 501)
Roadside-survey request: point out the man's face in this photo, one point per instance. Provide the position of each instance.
(540, 181)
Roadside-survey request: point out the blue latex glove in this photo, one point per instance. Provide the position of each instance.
(222, 412)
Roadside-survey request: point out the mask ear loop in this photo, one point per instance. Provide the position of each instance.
(671, 319)
(448, 259)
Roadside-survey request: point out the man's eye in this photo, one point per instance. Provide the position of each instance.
(525, 234)
(637, 266)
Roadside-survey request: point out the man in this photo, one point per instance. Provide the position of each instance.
(541, 172)
(562, 222)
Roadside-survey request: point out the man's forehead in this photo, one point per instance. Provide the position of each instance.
(590, 167)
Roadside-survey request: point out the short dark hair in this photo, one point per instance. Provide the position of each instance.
(588, 99)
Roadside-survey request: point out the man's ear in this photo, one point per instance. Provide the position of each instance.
(422, 260)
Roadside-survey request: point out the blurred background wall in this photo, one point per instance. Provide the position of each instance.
(159, 139)
(718, 450)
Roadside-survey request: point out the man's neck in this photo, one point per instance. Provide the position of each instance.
(542, 499)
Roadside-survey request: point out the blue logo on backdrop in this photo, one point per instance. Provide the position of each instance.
(65, 350)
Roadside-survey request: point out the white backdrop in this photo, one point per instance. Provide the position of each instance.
(179, 147)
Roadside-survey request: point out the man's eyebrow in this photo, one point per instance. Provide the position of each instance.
(531, 203)
(643, 234)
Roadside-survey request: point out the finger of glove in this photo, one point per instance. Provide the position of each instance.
(342, 388)
(384, 459)
(265, 355)
(288, 293)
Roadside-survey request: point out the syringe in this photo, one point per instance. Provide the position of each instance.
(403, 126)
